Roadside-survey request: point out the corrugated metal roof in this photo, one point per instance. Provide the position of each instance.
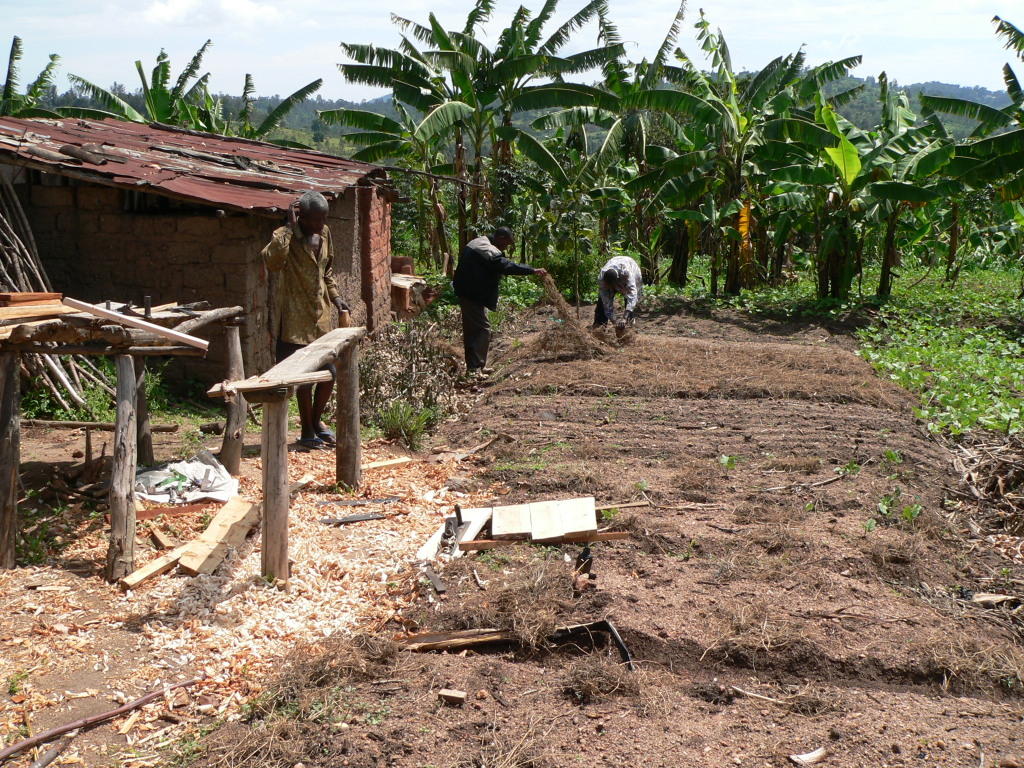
(234, 173)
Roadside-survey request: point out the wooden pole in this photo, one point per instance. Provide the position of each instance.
(145, 429)
(121, 552)
(234, 431)
(274, 451)
(348, 451)
(10, 438)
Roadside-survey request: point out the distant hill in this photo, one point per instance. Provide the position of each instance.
(863, 111)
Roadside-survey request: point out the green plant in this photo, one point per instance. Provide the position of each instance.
(729, 462)
(14, 682)
(849, 469)
(870, 524)
(399, 420)
(607, 515)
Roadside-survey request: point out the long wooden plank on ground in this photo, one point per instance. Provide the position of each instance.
(229, 528)
(134, 322)
(546, 521)
(162, 564)
(511, 522)
(578, 516)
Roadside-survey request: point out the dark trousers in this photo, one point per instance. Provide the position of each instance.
(476, 333)
(599, 316)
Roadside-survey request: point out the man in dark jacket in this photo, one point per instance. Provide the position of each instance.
(477, 277)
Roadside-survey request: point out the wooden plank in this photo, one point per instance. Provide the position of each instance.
(162, 541)
(162, 564)
(511, 522)
(256, 384)
(546, 521)
(34, 312)
(303, 362)
(578, 516)
(479, 544)
(389, 463)
(12, 298)
(475, 520)
(184, 509)
(134, 322)
(228, 529)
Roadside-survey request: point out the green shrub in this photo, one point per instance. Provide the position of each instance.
(399, 420)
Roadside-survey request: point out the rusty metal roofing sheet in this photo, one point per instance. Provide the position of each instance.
(227, 172)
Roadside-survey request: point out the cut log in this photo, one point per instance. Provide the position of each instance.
(348, 453)
(228, 529)
(162, 564)
(134, 322)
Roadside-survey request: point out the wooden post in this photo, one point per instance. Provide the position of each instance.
(274, 451)
(121, 552)
(145, 429)
(10, 439)
(349, 448)
(234, 431)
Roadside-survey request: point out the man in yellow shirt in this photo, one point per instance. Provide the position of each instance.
(303, 253)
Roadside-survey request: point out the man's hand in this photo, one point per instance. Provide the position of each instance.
(631, 317)
(340, 305)
(620, 324)
(293, 211)
(540, 271)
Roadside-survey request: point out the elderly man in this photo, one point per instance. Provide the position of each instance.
(303, 253)
(482, 264)
(620, 275)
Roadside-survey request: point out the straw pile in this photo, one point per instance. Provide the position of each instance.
(569, 338)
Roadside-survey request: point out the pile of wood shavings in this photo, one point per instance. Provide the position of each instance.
(232, 627)
(342, 578)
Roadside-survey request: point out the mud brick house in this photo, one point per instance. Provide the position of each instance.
(126, 210)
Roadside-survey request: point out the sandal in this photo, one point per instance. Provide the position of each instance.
(312, 443)
(327, 436)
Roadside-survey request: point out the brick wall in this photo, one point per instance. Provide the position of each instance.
(375, 231)
(93, 249)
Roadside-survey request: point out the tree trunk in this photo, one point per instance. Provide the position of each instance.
(144, 431)
(274, 453)
(954, 244)
(121, 551)
(10, 458)
(348, 453)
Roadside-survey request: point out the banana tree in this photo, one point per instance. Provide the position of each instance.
(163, 103)
(417, 146)
(27, 104)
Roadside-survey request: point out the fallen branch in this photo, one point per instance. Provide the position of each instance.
(103, 426)
(92, 720)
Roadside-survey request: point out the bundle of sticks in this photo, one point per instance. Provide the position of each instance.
(21, 270)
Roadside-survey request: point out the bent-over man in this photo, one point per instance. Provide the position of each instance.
(482, 264)
(302, 251)
(620, 274)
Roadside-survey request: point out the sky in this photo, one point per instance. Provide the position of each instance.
(950, 41)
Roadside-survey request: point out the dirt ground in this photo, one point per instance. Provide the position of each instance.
(800, 579)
